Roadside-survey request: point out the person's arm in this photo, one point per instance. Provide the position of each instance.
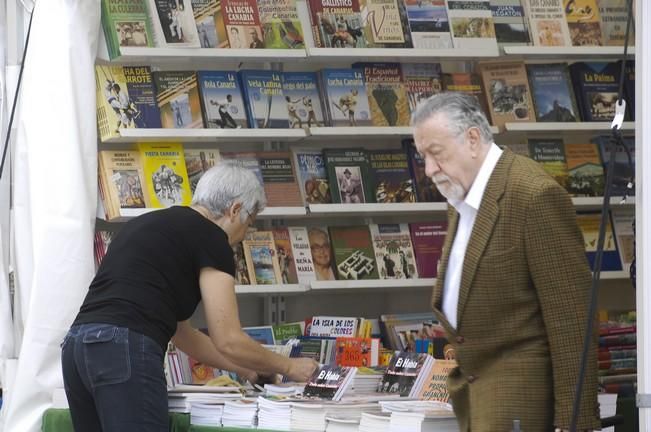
(222, 317)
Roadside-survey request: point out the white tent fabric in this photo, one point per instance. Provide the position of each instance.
(55, 196)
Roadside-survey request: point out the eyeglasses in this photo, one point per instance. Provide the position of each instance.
(320, 247)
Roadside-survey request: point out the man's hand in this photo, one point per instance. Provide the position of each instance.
(300, 369)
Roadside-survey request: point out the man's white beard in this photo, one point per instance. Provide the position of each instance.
(448, 188)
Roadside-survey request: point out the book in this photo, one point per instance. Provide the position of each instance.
(197, 162)
(394, 254)
(429, 25)
(614, 14)
(585, 170)
(348, 175)
(357, 351)
(329, 382)
(629, 87)
(125, 99)
(507, 91)
(301, 93)
(511, 24)
(345, 97)
(469, 83)
(405, 374)
(552, 92)
(285, 255)
(165, 174)
(281, 25)
(241, 269)
(336, 24)
(421, 80)
(425, 188)
(222, 105)
(263, 335)
(247, 160)
(322, 257)
(312, 176)
(287, 331)
(177, 96)
(427, 239)
(589, 225)
(263, 95)
(126, 25)
(242, 22)
(392, 179)
(471, 24)
(550, 153)
(332, 326)
(385, 23)
(547, 23)
(624, 168)
(123, 181)
(279, 179)
(623, 220)
(584, 22)
(596, 86)
(261, 259)
(387, 95)
(209, 19)
(353, 252)
(302, 254)
(173, 23)
(435, 386)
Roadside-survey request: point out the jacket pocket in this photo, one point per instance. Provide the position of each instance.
(106, 353)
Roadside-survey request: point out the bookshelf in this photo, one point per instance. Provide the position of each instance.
(551, 127)
(601, 53)
(207, 135)
(405, 55)
(183, 56)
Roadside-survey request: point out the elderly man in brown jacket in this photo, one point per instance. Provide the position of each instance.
(514, 281)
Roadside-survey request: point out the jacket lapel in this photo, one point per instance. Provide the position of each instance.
(483, 228)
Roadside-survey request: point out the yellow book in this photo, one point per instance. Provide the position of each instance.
(584, 22)
(166, 177)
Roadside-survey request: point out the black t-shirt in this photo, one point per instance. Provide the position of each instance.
(149, 278)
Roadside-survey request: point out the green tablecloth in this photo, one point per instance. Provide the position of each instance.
(58, 420)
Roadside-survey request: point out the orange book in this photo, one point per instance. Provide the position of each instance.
(359, 352)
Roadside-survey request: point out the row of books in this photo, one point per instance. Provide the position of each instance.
(617, 357)
(368, 94)
(248, 24)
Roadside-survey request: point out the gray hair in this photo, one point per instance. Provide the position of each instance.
(225, 184)
(462, 110)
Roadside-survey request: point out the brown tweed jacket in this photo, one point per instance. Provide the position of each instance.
(523, 304)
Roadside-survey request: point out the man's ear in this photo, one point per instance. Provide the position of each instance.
(234, 211)
(474, 138)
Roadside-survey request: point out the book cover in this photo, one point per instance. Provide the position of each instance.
(428, 21)
(209, 19)
(126, 25)
(547, 22)
(322, 257)
(421, 80)
(241, 269)
(427, 239)
(589, 224)
(614, 14)
(312, 176)
(507, 91)
(263, 94)
(332, 326)
(511, 25)
(435, 386)
(261, 258)
(165, 174)
(425, 188)
(624, 169)
(177, 96)
(287, 331)
(585, 170)
(281, 25)
(623, 220)
(285, 255)
(584, 22)
(386, 24)
(123, 179)
(357, 351)
(242, 22)
(629, 87)
(387, 95)
(279, 179)
(173, 23)
(125, 99)
(353, 252)
(394, 254)
(469, 83)
(329, 382)
(197, 162)
(263, 335)
(349, 175)
(550, 153)
(336, 24)
(247, 160)
(400, 377)
(302, 252)
(471, 24)
(222, 104)
(553, 95)
(303, 100)
(596, 86)
(346, 97)
(392, 180)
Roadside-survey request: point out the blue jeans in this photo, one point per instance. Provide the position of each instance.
(114, 380)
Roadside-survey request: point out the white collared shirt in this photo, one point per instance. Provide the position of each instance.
(467, 213)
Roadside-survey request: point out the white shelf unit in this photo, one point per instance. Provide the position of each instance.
(360, 132)
(541, 52)
(404, 55)
(267, 213)
(271, 289)
(135, 55)
(595, 203)
(207, 135)
(564, 126)
(380, 284)
(341, 210)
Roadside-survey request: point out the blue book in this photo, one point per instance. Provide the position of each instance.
(623, 172)
(551, 89)
(345, 97)
(596, 86)
(263, 94)
(263, 334)
(221, 100)
(301, 93)
(143, 94)
(312, 176)
(589, 224)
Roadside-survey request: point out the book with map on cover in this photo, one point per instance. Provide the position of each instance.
(387, 95)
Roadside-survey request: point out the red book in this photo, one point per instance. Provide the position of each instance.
(358, 352)
(427, 239)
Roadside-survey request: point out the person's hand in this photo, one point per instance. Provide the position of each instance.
(300, 369)
(261, 378)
